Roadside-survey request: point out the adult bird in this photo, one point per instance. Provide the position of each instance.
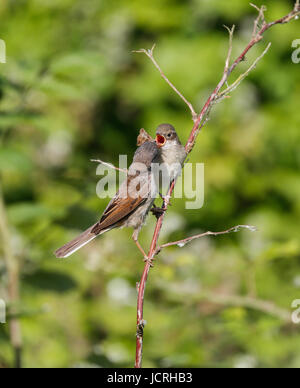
(132, 203)
(129, 207)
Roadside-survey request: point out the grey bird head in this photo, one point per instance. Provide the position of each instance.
(166, 133)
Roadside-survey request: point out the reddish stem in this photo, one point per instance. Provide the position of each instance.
(198, 124)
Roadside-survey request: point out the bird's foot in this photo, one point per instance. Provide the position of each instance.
(150, 261)
(157, 211)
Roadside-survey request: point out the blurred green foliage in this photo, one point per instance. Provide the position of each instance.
(72, 90)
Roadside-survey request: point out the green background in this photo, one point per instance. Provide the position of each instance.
(72, 90)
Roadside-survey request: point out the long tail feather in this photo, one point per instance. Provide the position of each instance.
(79, 242)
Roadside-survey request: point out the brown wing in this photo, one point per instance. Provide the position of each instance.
(119, 208)
(122, 205)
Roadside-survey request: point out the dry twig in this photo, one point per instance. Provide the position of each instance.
(149, 54)
(109, 165)
(182, 243)
(199, 121)
(181, 293)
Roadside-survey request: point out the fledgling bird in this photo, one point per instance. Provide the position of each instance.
(131, 204)
(172, 152)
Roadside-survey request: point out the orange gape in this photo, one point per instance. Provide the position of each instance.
(160, 140)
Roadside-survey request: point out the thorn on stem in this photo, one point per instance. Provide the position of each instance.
(140, 328)
(158, 250)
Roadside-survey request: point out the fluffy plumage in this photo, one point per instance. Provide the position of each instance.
(172, 152)
(130, 205)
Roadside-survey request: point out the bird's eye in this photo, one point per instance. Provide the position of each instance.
(169, 134)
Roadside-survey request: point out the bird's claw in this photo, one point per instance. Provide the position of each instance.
(150, 261)
(157, 211)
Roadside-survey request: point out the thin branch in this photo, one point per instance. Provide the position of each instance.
(110, 165)
(142, 284)
(182, 243)
(230, 32)
(210, 102)
(13, 275)
(263, 306)
(260, 18)
(246, 301)
(149, 54)
(199, 123)
(237, 82)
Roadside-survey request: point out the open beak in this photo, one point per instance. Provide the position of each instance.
(160, 141)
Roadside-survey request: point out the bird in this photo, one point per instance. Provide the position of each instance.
(129, 207)
(132, 203)
(172, 152)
